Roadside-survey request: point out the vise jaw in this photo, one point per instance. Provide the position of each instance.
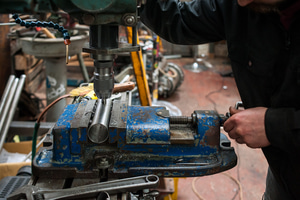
(139, 141)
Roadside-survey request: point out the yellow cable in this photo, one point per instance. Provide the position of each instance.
(226, 174)
(195, 190)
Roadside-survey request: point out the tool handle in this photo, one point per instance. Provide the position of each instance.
(122, 87)
(48, 33)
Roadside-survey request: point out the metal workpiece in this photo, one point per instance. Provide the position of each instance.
(10, 108)
(8, 102)
(98, 130)
(6, 92)
(133, 184)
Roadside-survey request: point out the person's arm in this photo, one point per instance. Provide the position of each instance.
(195, 22)
(283, 128)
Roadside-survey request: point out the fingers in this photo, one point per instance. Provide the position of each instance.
(239, 140)
(235, 136)
(233, 110)
(231, 128)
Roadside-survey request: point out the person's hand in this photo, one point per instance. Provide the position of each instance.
(247, 127)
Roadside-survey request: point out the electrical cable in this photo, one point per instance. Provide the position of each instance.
(37, 123)
(80, 91)
(37, 146)
(225, 174)
(195, 190)
(240, 192)
(213, 92)
(238, 166)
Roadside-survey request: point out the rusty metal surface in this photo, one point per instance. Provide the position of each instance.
(181, 135)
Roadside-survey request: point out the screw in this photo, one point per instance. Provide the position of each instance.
(130, 20)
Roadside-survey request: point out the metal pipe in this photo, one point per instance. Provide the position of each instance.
(10, 97)
(6, 91)
(12, 108)
(83, 68)
(26, 128)
(98, 131)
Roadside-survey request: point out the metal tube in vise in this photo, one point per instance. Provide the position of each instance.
(98, 131)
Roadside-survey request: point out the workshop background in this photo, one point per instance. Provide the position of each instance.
(206, 83)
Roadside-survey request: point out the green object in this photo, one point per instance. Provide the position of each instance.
(15, 6)
(34, 138)
(91, 12)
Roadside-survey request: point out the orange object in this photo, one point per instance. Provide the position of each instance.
(48, 33)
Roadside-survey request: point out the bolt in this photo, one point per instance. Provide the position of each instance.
(130, 20)
(183, 119)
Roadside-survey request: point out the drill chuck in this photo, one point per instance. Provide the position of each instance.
(103, 79)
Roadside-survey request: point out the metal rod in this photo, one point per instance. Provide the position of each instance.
(8, 24)
(26, 128)
(7, 105)
(83, 68)
(12, 108)
(6, 91)
(98, 131)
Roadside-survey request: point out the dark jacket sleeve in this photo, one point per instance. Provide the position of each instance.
(283, 128)
(190, 23)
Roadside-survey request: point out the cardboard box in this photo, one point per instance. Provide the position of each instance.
(11, 169)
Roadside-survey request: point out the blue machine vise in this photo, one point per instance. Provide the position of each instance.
(133, 140)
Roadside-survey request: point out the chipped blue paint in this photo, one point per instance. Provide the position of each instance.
(113, 136)
(79, 137)
(144, 126)
(61, 145)
(143, 147)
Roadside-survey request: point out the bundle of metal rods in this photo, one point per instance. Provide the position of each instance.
(8, 104)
